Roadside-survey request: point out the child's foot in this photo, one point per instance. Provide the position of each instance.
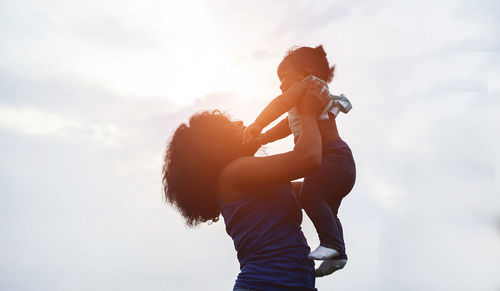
(330, 266)
(322, 253)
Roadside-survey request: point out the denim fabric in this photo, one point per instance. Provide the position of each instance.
(323, 191)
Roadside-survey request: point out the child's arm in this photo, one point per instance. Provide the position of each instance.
(279, 131)
(281, 104)
(276, 108)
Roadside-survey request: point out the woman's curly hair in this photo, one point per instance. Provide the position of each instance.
(313, 59)
(196, 154)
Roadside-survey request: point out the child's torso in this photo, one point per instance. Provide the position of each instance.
(327, 128)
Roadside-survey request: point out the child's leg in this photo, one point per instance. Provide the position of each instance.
(322, 215)
(334, 205)
(322, 193)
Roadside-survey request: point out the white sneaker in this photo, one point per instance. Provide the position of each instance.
(330, 266)
(322, 253)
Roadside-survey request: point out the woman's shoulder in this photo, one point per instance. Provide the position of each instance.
(228, 191)
(226, 188)
(228, 194)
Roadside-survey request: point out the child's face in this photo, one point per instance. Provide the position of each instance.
(289, 74)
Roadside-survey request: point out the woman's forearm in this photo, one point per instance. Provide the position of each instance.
(309, 143)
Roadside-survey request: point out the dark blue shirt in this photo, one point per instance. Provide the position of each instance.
(272, 250)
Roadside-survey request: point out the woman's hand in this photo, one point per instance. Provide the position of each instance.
(297, 90)
(310, 104)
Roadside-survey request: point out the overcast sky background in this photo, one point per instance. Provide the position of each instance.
(90, 92)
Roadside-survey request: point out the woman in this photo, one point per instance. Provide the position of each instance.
(208, 171)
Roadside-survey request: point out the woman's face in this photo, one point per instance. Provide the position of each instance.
(239, 124)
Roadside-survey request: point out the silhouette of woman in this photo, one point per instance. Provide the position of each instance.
(209, 171)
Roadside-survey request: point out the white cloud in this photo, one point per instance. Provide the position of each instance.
(40, 123)
(423, 77)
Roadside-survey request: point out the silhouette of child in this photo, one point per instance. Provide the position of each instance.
(323, 190)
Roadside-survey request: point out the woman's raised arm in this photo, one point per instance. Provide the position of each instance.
(246, 173)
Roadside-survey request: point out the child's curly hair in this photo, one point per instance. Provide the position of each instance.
(313, 59)
(193, 160)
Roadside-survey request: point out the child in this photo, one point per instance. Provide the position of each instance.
(323, 190)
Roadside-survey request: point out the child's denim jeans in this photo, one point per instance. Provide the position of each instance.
(323, 191)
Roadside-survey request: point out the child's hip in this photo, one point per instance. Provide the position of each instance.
(336, 176)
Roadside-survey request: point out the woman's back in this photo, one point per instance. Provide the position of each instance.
(272, 250)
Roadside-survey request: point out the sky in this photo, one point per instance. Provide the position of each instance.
(90, 92)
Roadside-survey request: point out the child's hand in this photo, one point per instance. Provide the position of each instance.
(252, 132)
